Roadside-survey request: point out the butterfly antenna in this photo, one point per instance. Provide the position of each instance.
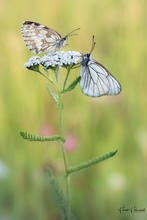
(93, 44)
(70, 34)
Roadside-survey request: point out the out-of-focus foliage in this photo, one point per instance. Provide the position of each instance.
(93, 126)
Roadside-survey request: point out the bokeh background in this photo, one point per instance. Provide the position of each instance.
(92, 126)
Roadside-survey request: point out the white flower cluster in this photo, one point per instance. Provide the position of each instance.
(33, 61)
(59, 58)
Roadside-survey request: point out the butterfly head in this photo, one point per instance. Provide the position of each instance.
(85, 59)
(61, 43)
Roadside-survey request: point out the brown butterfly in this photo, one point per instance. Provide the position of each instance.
(40, 38)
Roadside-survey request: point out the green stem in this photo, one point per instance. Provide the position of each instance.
(61, 129)
(68, 196)
(47, 77)
(60, 111)
(68, 71)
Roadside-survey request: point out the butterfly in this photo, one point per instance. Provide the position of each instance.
(96, 80)
(40, 38)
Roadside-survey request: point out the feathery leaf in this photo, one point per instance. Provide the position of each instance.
(72, 85)
(91, 162)
(59, 195)
(31, 137)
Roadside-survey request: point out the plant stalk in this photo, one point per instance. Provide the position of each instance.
(67, 180)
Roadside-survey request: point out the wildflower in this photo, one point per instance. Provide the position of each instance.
(46, 130)
(53, 59)
(33, 63)
(60, 59)
(71, 142)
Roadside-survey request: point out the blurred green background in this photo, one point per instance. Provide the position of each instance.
(93, 126)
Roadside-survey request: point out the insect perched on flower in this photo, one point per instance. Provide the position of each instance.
(40, 38)
(96, 80)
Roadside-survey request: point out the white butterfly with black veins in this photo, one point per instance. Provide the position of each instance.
(40, 38)
(96, 80)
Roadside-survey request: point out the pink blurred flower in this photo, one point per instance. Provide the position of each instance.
(71, 142)
(46, 130)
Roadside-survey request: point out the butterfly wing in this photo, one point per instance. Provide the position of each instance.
(115, 87)
(96, 80)
(40, 38)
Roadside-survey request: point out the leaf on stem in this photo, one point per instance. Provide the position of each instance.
(52, 94)
(31, 137)
(59, 195)
(91, 162)
(72, 85)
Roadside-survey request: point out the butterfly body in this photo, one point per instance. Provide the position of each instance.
(96, 80)
(85, 59)
(40, 38)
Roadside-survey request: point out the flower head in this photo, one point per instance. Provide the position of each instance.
(60, 59)
(33, 63)
(53, 59)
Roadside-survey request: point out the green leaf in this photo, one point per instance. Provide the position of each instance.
(31, 137)
(59, 195)
(72, 85)
(52, 94)
(91, 162)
